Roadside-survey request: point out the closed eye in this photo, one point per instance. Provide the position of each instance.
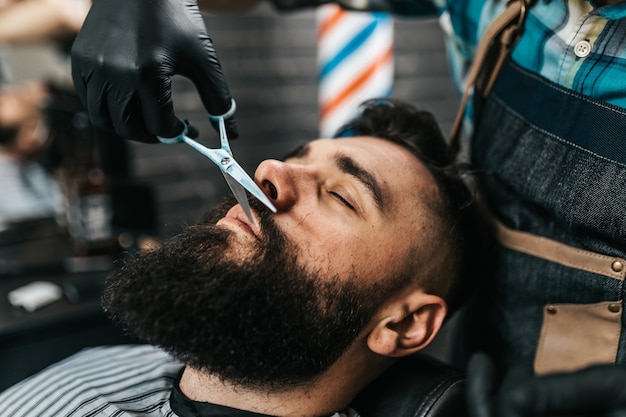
(342, 200)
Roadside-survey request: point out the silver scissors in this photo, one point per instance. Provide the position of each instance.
(235, 176)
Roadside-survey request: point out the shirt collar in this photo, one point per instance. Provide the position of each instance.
(184, 407)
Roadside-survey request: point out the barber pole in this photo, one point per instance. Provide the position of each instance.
(355, 60)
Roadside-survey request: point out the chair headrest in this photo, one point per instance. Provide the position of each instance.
(415, 386)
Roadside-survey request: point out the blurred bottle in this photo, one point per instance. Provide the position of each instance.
(89, 203)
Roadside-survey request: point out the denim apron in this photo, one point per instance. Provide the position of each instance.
(552, 165)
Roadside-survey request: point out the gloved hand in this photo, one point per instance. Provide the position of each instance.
(598, 391)
(124, 56)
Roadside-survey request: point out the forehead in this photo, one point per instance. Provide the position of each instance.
(399, 173)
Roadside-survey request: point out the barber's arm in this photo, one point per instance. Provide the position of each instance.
(597, 391)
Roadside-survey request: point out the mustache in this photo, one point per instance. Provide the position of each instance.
(269, 228)
(264, 215)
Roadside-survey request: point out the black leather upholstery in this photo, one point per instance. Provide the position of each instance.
(415, 386)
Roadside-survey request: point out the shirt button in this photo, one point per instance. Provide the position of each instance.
(582, 49)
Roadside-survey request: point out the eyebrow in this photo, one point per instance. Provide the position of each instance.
(349, 166)
(300, 152)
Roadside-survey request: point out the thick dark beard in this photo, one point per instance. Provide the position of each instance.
(264, 323)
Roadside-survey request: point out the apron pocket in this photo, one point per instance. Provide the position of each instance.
(574, 336)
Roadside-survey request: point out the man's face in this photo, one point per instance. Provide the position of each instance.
(354, 206)
(277, 302)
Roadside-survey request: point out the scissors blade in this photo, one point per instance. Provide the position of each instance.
(240, 195)
(237, 173)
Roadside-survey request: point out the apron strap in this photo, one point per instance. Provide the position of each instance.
(560, 253)
(494, 46)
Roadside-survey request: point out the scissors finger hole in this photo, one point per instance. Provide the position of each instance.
(176, 139)
(229, 113)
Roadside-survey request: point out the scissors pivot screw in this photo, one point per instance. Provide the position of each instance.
(225, 161)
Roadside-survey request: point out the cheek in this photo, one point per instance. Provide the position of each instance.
(338, 248)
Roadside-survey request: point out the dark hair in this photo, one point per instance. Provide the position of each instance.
(462, 223)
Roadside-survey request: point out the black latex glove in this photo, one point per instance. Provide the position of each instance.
(598, 391)
(124, 56)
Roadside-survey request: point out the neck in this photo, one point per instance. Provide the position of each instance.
(330, 393)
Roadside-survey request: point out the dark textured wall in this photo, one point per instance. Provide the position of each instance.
(269, 61)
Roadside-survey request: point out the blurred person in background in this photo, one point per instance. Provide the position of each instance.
(28, 190)
(36, 21)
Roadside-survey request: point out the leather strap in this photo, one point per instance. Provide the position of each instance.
(494, 46)
(560, 253)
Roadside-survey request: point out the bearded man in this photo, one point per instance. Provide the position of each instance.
(292, 314)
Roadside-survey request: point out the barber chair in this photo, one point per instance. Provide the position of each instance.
(415, 386)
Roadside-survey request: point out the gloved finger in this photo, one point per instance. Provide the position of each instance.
(596, 391)
(79, 85)
(97, 107)
(481, 385)
(516, 393)
(105, 109)
(155, 97)
(128, 121)
(192, 131)
(79, 61)
(91, 88)
(204, 69)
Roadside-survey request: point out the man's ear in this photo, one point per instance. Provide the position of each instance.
(408, 325)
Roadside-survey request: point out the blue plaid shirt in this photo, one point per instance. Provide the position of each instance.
(571, 43)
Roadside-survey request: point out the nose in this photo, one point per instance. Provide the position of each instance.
(279, 181)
